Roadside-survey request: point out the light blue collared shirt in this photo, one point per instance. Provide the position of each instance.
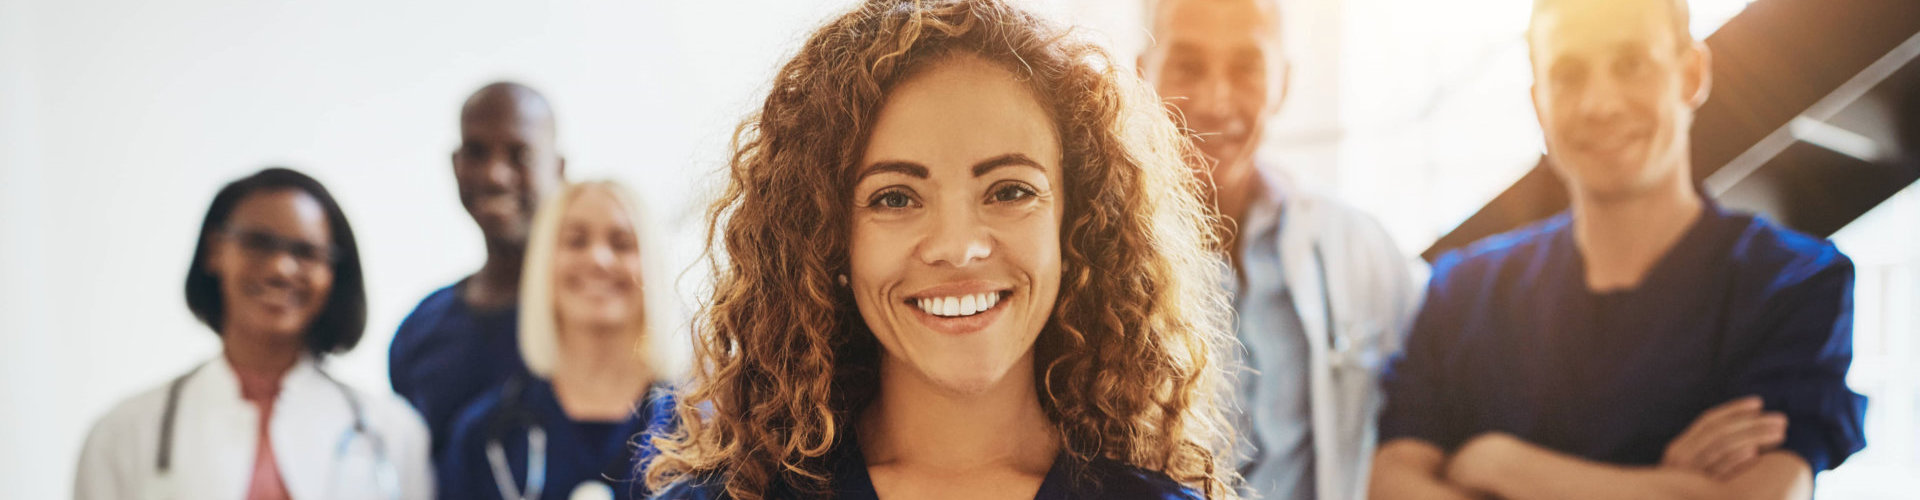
(1275, 413)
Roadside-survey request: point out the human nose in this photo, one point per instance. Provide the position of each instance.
(958, 238)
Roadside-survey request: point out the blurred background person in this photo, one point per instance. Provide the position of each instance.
(591, 298)
(962, 259)
(461, 339)
(277, 276)
(116, 130)
(1644, 344)
(1321, 294)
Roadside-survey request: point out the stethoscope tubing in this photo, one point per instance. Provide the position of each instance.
(536, 465)
(163, 462)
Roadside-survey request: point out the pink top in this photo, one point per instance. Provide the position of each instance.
(262, 391)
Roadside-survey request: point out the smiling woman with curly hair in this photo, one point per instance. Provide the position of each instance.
(959, 255)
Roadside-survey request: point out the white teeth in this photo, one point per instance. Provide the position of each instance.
(965, 305)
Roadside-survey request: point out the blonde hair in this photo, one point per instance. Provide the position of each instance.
(539, 328)
(1130, 366)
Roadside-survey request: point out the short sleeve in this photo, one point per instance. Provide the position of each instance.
(1800, 360)
(1415, 380)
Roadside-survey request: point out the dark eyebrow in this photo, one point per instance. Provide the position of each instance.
(919, 171)
(1005, 160)
(906, 168)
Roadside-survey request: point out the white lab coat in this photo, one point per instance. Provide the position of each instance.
(215, 435)
(1372, 291)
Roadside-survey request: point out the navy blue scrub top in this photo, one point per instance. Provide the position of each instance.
(1067, 479)
(445, 354)
(576, 452)
(1510, 339)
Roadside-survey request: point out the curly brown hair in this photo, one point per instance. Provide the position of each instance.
(1129, 366)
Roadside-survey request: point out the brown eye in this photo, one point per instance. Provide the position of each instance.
(1012, 192)
(891, 199)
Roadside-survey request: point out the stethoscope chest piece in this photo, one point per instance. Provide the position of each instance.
(592, 490)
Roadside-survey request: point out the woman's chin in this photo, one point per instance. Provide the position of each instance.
(598, 319)
(966, 379)
(279, 328)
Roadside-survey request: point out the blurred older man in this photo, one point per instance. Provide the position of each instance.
(1321, 294)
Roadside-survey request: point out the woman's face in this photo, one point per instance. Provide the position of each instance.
(596, 264)
(956, 224)
(274, 261)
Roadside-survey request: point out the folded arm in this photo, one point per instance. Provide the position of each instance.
(1508, 467)
(1412, 468)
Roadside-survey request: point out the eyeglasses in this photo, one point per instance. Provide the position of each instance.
(263, 245)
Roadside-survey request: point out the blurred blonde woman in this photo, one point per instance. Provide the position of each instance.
(593, 308)
(960, 255)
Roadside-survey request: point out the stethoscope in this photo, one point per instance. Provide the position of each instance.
(513, 414)
(1339, 350)
(384, 476)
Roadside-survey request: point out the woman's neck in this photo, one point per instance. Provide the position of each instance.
(919, 425)
(259, 362)
(602, 373)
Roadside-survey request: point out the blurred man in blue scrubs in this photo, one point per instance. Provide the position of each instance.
(461, 339)
(1321, 294)
(1645, 344)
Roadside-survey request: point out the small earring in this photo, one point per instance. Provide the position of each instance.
(843, 279)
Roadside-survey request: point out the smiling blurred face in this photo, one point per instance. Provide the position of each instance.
(506, 163)
(274, 262)
(1219, 63)
(596, 264)
(956, 225)
(1615, 92)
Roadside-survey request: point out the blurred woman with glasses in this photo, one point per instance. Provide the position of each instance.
(276, 274)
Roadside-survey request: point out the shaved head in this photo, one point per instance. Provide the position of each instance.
(509, 102)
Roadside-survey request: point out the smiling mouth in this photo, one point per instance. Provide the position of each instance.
(959, 306)
(277, 297)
